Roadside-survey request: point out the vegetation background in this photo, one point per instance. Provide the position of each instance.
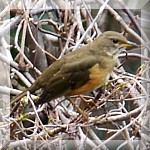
(35, 33)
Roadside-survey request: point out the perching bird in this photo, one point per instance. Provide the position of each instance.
(80, 71)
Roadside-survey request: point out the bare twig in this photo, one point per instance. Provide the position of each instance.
(92, 24)
(121, 105)
(122, 22)
(19, 49)
(21, 76)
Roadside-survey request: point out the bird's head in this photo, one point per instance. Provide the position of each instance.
(112, 43)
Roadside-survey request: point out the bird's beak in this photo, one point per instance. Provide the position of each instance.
(129, 44)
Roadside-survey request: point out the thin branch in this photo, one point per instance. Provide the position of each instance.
(21, 76)
(8, 61)
(136, 55)
(8, 91)
(7, 25)
(101, 9)
(68, 40)
(133, 19)
(122, 22)
(39, 45)
(19, 49)
(25, 24)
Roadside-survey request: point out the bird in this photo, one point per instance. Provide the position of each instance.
(80, 71)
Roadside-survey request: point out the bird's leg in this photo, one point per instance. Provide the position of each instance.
(84, 115)
(88, 102)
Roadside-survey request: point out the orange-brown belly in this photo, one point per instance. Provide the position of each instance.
(97, 78)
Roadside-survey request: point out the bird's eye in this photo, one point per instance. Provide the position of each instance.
(115, 41)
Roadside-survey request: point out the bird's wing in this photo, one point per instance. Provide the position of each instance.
(72, 75)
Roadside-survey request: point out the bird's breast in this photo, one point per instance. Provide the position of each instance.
(97, 78)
